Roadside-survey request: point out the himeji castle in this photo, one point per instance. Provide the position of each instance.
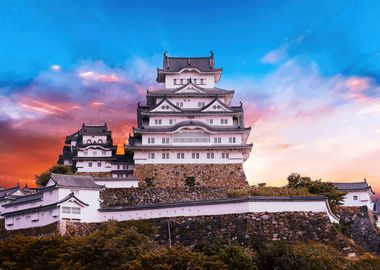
(189, 127)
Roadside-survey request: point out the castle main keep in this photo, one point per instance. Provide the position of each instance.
(189, 128)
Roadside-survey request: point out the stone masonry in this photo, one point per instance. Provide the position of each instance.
(211, 175)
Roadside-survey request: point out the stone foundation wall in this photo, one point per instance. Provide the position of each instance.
(143, 196)
(242, 228)
(359, 224)
(211, 175)
(35, 231)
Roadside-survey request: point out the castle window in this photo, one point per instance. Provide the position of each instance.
(181, 81)
(103, 152)
(217, 140)
(94, 153)
(151, 155)
(202, 81)
(232, 139)
(179, 104)
(355, 198)
(224, 121)
(195, 81)
(225, 155)
(89, 141)
(201, 104)
(165, 140)
(75, 210)
(195, 155)
(175, 81)
(180, 155)
(118, 167)
(211, 121)
(90, 164)
(99, 164)
(165, 155)
(170, 121)
(85, 153)
(151, 140)
(210, 155)
(100, 141)
(158, 121)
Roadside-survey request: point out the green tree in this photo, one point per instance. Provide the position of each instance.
(44, 177)
(235, 258)
(177, 258)
(317, 187)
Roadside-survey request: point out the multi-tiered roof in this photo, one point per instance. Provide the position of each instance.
(187, 98)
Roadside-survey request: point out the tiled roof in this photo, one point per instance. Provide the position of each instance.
(175, 64)
(206, 91)
(8, 191)
(192, 124)
(25, 199)
(352, 186)
(80, 181)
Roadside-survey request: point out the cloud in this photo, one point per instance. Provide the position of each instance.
(36, 117)
(276, 55)
(309, 123)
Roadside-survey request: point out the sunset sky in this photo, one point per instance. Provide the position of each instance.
(308, 73)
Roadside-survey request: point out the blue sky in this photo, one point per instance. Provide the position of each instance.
(339, 36)
(307, 71)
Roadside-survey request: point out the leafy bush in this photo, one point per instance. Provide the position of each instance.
(367, 262)
(149, 181)
(190, 181)
(177, 258)
(306, 256)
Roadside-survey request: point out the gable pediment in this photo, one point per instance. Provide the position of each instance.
(190, 88)
(165, 106)
(216, 106)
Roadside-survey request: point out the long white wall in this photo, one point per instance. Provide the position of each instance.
(208, 80)
(146, 157)
(221, 209)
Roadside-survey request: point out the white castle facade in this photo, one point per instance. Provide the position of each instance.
(189, 119)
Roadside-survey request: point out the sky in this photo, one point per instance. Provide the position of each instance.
(307, 72)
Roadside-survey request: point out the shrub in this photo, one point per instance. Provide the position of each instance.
(269, 191)
(149, 181)
(190, 181)
(177, 258)
(367, 262)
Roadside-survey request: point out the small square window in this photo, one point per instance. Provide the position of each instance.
(355, 198)
(99, 164)
(90, 164)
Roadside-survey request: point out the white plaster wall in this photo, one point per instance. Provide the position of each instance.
(234, 157)
(220, 209)
(363, 199)
(94, 139)
(121, 166)
(119, 183)
(208, 79)
(94, 151)
(38, 219)
(165, 120)
(91, 197)
(83, 166)
(224, 138)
